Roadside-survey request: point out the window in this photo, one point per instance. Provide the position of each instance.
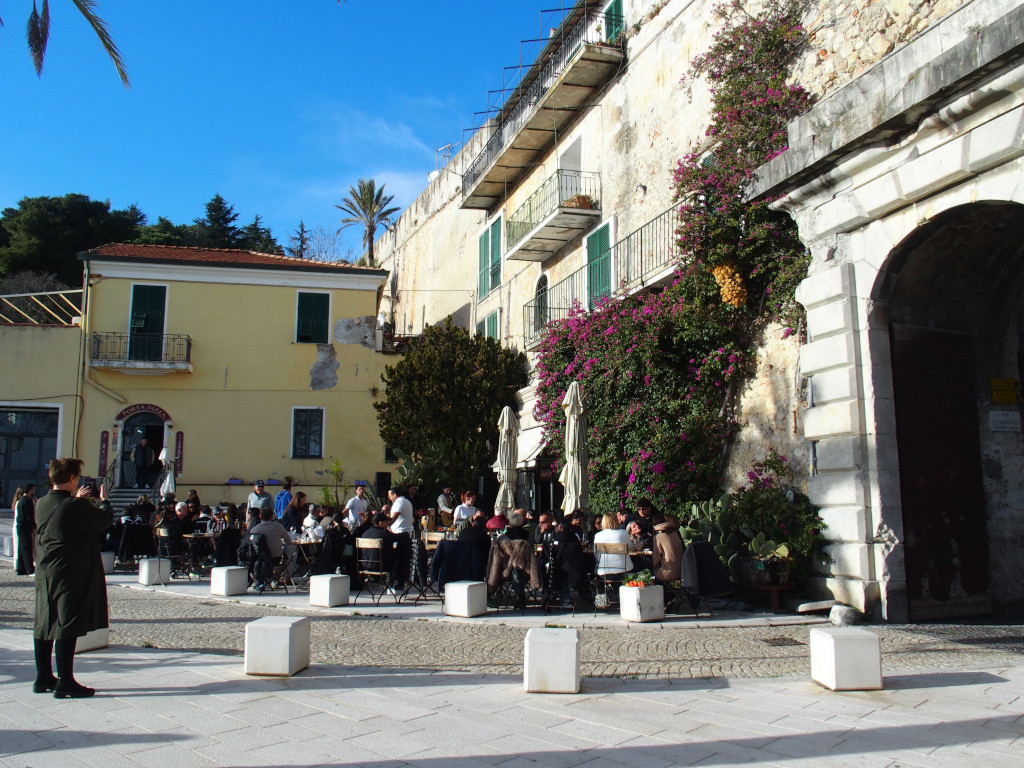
(307, 433)
(613, 15)
(313, 318)
(490, 259)
(599, 264)
(488, 327)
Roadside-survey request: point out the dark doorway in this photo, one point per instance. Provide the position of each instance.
(945, 537)
(141, 425)
(145, 341)
(28, 441)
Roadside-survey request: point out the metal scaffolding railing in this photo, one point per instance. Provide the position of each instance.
(46, 308)
(632, 261)
(570, 189)
(593, 28)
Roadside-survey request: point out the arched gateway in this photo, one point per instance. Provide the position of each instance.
(911, 205)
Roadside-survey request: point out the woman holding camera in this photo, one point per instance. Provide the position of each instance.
(71, 590)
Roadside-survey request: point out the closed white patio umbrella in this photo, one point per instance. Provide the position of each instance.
(508, 457)
(167, 486)
(574, 474)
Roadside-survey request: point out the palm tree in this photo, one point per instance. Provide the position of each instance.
(38, 34)
(367, 206)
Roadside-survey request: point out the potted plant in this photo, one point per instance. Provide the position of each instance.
(640, 599)
(579, 201)
(768, 564)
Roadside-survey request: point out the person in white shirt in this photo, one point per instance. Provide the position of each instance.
(445, 506)
(610, 534)
(355, 508)
(401, 512)
(401, 527)
(466, 509)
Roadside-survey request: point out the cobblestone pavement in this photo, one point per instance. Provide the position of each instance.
(145, 618)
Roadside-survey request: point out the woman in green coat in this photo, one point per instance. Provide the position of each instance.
(71, 590)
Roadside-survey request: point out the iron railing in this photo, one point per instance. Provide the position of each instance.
(569, 189)
(141, 347)
(46, 308)
(646, 251)
(593, 28)
(634, 259)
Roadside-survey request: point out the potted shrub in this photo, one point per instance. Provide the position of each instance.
(768, 564)
(640, 599)
(580, 201)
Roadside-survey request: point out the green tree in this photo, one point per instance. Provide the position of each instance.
(298, 247)
(164, 232)
(256, 237)
(46, 234)
(444, 397)
(38, 34)
(367, 207)
(217, 229)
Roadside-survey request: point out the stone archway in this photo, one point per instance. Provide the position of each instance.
(951, 297)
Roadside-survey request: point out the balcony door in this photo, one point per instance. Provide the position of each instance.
(146, 330)
(570, 164)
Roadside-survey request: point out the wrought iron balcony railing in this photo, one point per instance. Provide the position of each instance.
(637, 258)
(593, 28)
(141, 350)
(45, 308)
(568, 189)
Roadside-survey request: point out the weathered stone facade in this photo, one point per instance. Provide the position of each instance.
(918, 115)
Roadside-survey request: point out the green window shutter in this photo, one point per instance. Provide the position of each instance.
(492, 325)
(313, 318)
(496, 254)
(484, 283)
(614, 21)
(481, 328)
(599, 262)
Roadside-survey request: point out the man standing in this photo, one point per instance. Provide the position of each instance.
(401, 527)
(356, 508)
(282, 500)
(260, 499)
(144, 458)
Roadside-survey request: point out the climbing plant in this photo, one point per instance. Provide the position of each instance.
(659, 369)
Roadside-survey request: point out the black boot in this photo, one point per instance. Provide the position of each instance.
(67, 687)
(45, 681)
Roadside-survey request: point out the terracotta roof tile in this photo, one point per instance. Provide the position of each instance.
(231, 257)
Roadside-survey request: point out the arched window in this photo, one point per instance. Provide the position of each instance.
(540, 305)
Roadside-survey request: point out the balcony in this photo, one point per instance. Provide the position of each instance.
(141, 353)
(585, 52)
(642, 258)
(566, 205)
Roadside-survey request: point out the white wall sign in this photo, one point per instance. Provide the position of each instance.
(1004, 421)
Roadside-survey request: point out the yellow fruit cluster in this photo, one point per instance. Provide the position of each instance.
(731, 284)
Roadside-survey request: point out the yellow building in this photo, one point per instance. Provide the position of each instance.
(239, 365)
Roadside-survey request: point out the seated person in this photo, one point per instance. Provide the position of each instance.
(380, 530)
(572, 568)
(638, 543)
(515, 530)
(610, 534)
(667, 559)
(273, 531)
(544, 533)
(366, 524)
(497, 523)
(476, 532)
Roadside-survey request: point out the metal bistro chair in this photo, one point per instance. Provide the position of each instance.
(615, 555)
(166, 549)
(370, 567)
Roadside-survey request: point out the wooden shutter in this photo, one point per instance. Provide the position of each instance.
(492, 325)
(313, 313)
(614, 23)
(484, 282)
(599, 272)
(496, 254)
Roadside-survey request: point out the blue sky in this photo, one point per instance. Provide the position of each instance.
(278, 105)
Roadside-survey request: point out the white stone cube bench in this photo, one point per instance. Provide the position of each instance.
(642, 603)
(154, 570)
(93, 641)
(229, 580)
(108, 559)
(277, 645)
(551, 661)
(846, 659)
(465, 598)
(328, 590)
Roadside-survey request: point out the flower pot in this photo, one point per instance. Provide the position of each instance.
(766, 573)
(642, 603)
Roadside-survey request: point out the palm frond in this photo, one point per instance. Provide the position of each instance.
(38, 34)
(89, 10)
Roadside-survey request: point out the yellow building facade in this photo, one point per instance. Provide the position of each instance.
(239, 366)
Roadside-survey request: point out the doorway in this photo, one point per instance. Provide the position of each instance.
(136, 427)
(28, 441)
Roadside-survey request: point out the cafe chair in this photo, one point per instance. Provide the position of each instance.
(171, 547)
(373, 569)
(614, 556)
